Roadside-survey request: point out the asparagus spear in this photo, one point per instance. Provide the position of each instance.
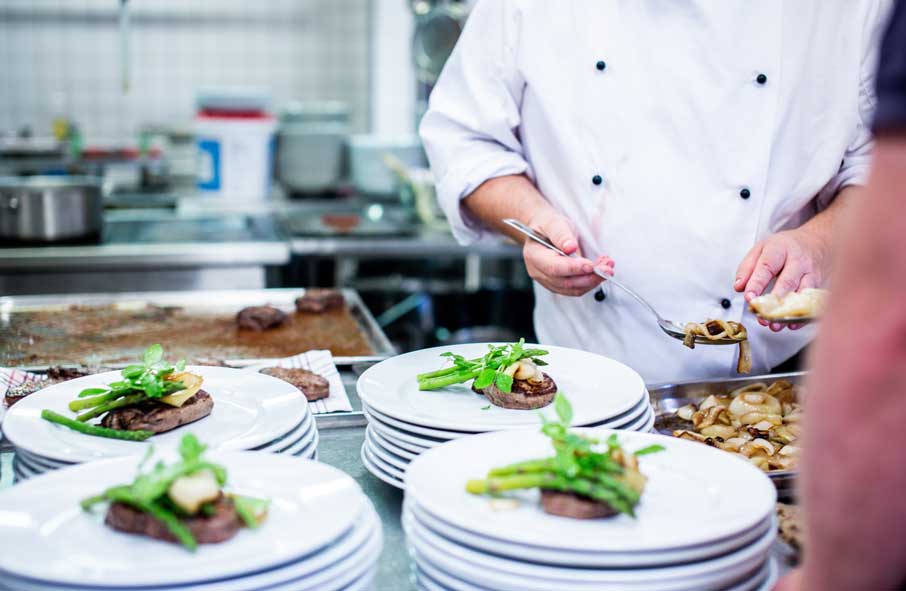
(49, 415)
(553, 481)
(83, 403)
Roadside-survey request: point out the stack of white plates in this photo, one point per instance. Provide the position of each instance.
(321, 534)
(252, 411)
(705, 521)
(404, 422)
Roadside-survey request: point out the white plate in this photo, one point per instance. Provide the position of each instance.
(41, 460)
(625, 421)
(385, 466)
(377, 449)
(378, 472)
(513, 575)
(304, 433)
(312, 504)
(430, 577)
(577, 557)
(308, 447)
(250, 409)
(290, 438)
(695, 494)
(599, 389)
(413, 443)
(343, 553)
(390, 446)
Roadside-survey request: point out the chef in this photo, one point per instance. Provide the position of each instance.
(708, 149)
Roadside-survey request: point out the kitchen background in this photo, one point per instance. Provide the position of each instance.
(320, 99)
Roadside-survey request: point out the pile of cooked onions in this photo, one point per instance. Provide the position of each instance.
(759, 422)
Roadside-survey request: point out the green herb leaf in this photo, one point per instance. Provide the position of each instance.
(539, 362)
(651, 449)
(564, 409)
(486, 407)
(132, 371)
(485, 378)
(153, 354)
(504, 382)
(181, 365)
(190, 448)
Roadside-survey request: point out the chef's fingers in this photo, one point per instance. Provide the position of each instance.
(808, 280)
(790, 277)
(552, 264)
(577, 286)
(744, 271)
(794, 326)
(561, 233)
(769, 264)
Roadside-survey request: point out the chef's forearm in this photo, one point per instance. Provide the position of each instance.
(855, 433)
(512, 196)
(825, 226)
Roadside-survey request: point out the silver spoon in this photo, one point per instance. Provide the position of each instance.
(670, 327)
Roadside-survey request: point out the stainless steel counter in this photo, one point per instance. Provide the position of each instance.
(160, 239)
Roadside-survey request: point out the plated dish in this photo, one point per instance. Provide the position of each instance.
(151, 397)
(599, 388)
(760, 422)
(314, 515)
(579, 481)
(719, 330)
(184, 502)
(509, 376)
(808, 304)
(250, 410)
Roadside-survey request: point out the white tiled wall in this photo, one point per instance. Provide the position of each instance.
(298, 49)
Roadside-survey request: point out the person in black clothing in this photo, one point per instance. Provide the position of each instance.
(854, 467)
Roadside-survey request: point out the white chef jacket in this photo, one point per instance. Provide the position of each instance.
(675, 135)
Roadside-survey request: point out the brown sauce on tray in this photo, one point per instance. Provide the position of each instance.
(107, 335)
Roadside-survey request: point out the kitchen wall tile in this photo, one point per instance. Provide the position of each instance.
(66, 52)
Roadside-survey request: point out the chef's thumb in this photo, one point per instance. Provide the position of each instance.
(561, 233)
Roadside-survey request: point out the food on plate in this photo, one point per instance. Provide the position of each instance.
(54, 375)
(312, 385)
(714, 330)
(577, 481)
(183, 502)
(509, 375)
(808, 303)
(320, 300)
(152, 397)
(261, 318)
(759, 422)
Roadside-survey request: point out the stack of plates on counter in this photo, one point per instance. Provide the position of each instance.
(321, 534)
(404, 422)
(705, 521)
(252, 411)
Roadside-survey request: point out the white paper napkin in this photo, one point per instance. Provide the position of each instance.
(320, 362)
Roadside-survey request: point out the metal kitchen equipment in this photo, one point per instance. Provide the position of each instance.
(45, 209)
(41, 331)
(666, 398)
(311, 137)
(673, 329)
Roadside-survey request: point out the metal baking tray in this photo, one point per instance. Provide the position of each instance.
(667, 397)
(36, 342)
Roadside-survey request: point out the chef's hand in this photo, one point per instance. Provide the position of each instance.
(796, 258)
(572, 276)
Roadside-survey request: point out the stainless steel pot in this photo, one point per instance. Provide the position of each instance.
(50, 209)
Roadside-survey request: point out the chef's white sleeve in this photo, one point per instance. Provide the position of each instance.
(857, 158)
(470, 129)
